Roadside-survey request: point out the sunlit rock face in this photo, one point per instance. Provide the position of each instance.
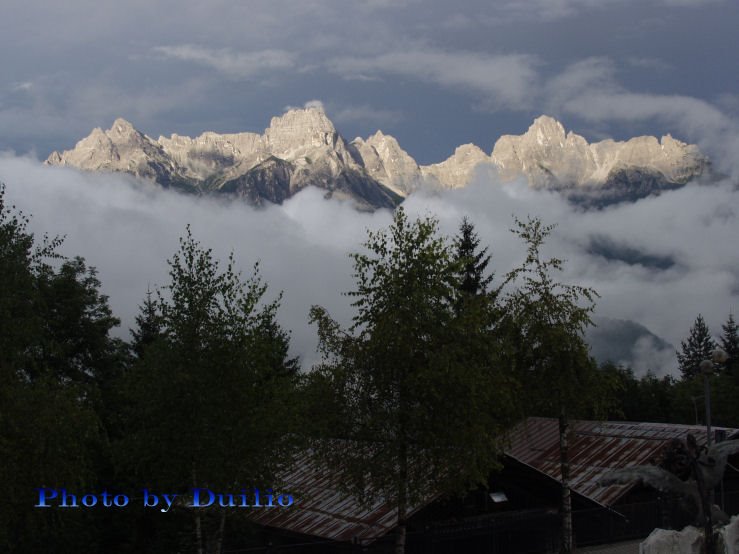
(302, 148)
(299, 149)
(602, 172)
(458, 170)
(386, 161)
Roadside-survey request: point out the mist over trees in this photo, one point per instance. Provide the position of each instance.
(409, 401)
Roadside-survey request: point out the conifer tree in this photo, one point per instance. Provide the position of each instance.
(473, 261)
(695, 349)
(148, 325)
(730, 343)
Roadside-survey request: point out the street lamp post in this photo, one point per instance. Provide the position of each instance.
(706, 368)
(718, 356)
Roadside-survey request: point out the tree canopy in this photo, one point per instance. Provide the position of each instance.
(697, 347)
(421, 403)
(56, 360)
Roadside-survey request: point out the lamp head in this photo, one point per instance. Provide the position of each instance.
(719, 356)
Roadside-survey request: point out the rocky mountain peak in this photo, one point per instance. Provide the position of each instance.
(547, 156)
(300, 128)
(386, 144)
(546, 129)
(385, 160)
(124, 135)
(122, 126)
(302, 147)
(457, 170)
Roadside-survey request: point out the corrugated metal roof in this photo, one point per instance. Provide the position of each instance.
(595, 448)
(322, 510)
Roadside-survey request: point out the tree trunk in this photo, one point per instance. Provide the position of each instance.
(566, 506)
(400, 539)
(196, 512)
(221, 531)
(709, 546)
(402, 500)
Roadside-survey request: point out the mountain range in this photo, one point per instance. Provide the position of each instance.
(302, 148)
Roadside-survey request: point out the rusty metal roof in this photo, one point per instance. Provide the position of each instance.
(594, 448)
(322, 510)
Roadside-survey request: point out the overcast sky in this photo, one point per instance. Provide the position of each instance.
(435, 73)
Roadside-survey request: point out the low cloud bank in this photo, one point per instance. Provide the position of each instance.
(129, 229)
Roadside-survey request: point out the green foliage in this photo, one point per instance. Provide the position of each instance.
(670, 400)
(648, 398)
(148, 326)
(212, 392)
(730, 344)
(412, 390)
(473, 261)
(545, 322)
(56, 357)
(695, 349)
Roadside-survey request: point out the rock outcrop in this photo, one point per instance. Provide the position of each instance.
(303, 148)
(457, 170)
(603, 172)
(299, 149)
(386, 161)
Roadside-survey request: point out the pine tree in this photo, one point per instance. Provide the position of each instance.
(730, 343)
(148, 325)
(697, 348)
(473, 262)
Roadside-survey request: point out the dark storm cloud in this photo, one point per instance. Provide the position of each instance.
(450, 73)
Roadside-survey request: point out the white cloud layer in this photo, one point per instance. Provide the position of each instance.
(589, 89)
(127, 230)
(558, 9)
(504, 80)
(228, 62)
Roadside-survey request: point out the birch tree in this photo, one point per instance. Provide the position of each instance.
(413, 389)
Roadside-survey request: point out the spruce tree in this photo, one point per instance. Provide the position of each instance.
(697, 348)
(473, 261)
(730, 343)
(148, 325)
